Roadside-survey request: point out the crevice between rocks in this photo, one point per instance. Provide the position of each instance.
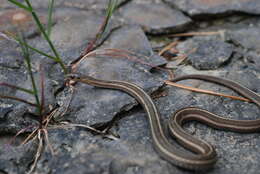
(3, 172)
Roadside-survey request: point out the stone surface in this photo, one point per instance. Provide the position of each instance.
(16, 159)
(109, 102)
(14, 115)
(12, 72)
(210, 54)
(78, 151)
(69, 32)
(155, 18)
(15, 20)
(246, 38)
(127, 148)
(215, 7)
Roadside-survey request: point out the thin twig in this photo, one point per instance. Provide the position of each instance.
(183, 57)
(49, 117)
(205, 91)
(38, 152)
(81, 125)
(18, 133)
(29, 137)
(48, 142)
(168, 47)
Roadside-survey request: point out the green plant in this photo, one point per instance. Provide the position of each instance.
(112, 4)
(43, 31)
(111, 7)
(25, 47)
(44, 118)
(34, 90)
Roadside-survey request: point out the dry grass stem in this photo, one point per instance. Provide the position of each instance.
(29, 136)
(183, 57)
(168, 47)
(47, 141)
(38, 153)
(205, 91)
(80, 125)
(17, 134)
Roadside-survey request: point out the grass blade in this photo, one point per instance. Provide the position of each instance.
(18, 99)
(11, 37)
(41, 28)
(39, 51)
(50, 10)
(42, 95)
(20, 5)
(112, 4)
(109, 12)
(16, 87)
(27, 58)
(203, 91)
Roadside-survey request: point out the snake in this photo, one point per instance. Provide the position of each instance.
(199, 155)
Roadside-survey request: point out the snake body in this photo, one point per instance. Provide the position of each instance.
(204, 156)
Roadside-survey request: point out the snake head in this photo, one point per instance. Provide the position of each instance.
(72, 76)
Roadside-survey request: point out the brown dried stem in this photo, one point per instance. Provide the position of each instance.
(205, 91)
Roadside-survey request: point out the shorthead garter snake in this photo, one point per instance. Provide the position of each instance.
(204, 155)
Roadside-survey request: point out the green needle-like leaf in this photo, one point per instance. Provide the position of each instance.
(112, 4)
(27, 58)
(17, 87)
(21, 5)
(41, 28)
(37, 50)
(50, 10)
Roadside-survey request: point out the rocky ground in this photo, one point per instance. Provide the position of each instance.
(144, 28)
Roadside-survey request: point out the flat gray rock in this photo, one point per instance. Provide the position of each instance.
(79, 151)
(69, 32)
(155, 18)
(246, 37)
(14, 20)
(215, 7)
(92, 105)
(204, 53)
(12, 72)
(210, 54)
(253, 59)
(15, 115)
(16, 159)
